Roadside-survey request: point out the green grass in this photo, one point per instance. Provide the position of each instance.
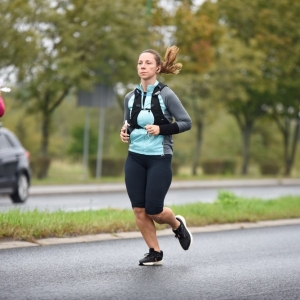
(228, 208)
(31, 225)
(64, 172)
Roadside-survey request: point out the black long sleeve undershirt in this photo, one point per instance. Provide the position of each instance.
(168, 129)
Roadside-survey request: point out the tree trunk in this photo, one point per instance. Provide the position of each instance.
(45, 135)
(246, 131)
(43, 161)
(47, 111)
(199, 133)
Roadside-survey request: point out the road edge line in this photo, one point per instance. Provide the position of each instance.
(136, 234)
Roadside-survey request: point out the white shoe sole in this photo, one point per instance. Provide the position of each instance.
(156, 263)
(183, 221)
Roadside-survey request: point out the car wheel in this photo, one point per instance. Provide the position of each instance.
(21, 193)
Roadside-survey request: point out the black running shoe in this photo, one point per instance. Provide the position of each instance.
(153, 258)
(183, 234)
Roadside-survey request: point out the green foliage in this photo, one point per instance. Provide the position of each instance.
(227, 198)
(197, 35)
(239, 87)
(265, 142)
(77, 144)
(267, 168)
(64, 46)
(273, 27)
(112, 167)
(219, 166)
(238, 55)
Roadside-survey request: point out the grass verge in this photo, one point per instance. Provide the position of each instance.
(63, 172)
(228, 208)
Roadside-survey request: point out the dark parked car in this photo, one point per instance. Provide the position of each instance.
(14, 167)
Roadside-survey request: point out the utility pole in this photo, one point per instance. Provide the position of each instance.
(148, 7)
(86, 142)
(148, 18)
(101, 96)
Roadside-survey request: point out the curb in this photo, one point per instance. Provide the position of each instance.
(120, 187)
(130, 235)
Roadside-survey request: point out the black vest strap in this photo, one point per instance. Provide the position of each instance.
(159, 118)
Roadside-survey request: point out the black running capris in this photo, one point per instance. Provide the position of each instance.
(147, 179)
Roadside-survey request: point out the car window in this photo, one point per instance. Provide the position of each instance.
(4, 143)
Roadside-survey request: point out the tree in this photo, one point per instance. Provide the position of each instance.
(274, 26)
(197, 34)
(196, 92)
(238, 82)
(281, 42)
(57, 46)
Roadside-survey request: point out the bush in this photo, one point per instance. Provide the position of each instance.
(269, 168)
(40, 166)
(227, 198)
(75, 149)
(110, 166)
(219, 166)
(229, 167)
(175, 166)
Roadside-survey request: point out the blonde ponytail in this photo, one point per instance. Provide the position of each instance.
(169, 65)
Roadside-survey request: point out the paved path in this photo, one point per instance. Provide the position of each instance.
(247, 264)
(114, 187)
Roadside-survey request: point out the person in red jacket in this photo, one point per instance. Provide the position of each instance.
(2, 106)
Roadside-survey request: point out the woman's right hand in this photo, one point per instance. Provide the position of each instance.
(123, 134)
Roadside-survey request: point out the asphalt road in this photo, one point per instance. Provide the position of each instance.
(262, 263)
(119, 199)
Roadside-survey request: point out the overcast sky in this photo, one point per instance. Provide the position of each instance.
(172, 2)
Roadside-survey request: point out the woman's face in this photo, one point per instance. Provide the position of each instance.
(147, 67)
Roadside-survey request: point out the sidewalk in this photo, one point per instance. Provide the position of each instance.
(9, 244)
(120, 187)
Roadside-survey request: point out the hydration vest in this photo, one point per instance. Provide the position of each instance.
(159, 118)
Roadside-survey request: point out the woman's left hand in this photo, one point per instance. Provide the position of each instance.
(152, 129)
